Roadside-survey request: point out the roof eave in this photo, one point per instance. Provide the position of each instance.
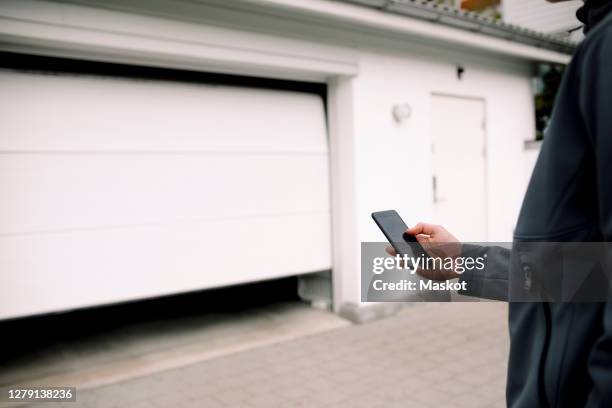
(432, 26)
(468, 21)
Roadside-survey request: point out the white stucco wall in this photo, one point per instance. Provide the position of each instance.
(394, 162)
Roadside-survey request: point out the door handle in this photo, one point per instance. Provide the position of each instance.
(436, 198)
(434, 182)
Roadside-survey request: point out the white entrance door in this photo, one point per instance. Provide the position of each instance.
(459, 167)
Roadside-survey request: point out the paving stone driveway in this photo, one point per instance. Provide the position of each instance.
(429, 355)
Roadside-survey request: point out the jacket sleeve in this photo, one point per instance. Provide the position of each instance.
(595, 99)
(492, 281)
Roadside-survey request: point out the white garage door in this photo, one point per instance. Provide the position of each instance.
(114, 189)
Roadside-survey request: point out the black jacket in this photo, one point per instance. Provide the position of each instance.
(561, 353)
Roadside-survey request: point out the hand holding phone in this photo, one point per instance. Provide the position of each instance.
(437, 240)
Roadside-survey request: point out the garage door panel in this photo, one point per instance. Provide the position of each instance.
(82, 113)
(117, 189)
(58, 271)
(51, 192)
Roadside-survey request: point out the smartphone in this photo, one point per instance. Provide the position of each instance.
(394, 228)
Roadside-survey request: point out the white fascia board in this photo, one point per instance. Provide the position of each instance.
(69, 30)
(361, 16)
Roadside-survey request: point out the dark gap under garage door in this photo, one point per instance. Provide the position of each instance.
(24, 336)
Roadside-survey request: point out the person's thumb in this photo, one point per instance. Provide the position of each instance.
(423, 239)
(422, 228)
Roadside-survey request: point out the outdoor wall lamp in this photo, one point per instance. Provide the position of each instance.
(401, 112)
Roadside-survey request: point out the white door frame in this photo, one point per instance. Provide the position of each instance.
(90, 33)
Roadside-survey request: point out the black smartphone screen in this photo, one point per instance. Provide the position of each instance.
(394, 228)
